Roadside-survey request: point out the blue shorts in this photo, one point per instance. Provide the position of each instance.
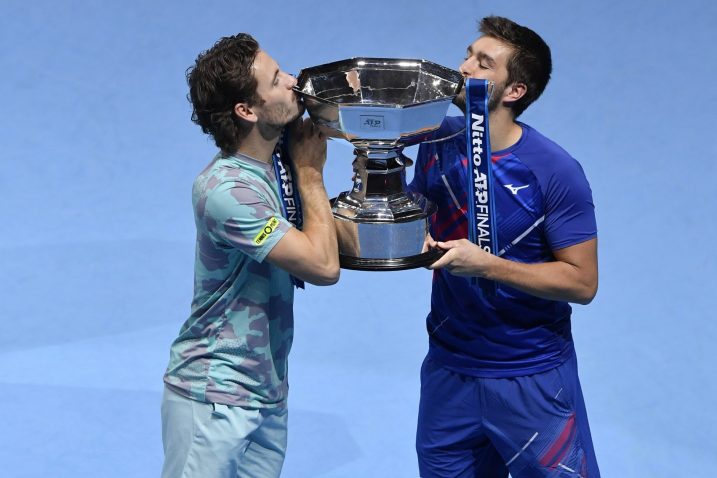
(531, 426)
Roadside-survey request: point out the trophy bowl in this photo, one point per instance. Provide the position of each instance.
(380, 105)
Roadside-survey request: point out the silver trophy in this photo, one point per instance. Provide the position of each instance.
(380, 105)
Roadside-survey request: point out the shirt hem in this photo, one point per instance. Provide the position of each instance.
(219, 397)
(476, 368)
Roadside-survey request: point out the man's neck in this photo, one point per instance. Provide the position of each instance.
(255, 146)
(504, 131)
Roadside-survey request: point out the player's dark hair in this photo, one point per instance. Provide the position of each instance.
(220, 78)
(530, 62)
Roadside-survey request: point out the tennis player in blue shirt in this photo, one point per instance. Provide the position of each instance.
(499, 387)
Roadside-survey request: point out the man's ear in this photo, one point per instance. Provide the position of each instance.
(514, 92)
(245, 112)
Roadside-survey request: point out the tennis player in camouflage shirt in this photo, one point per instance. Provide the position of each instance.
(224, 406)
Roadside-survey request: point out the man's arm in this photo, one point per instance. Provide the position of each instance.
(312, 253)
(572, 277)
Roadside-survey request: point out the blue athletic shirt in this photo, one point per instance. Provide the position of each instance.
(543, 203)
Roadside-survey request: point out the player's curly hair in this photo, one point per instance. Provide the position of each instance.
(531, 62)
(220, 78)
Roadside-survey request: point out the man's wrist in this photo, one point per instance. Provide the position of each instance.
(490, 268)
(309, 174)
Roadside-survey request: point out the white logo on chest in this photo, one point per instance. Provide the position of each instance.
(515, 189)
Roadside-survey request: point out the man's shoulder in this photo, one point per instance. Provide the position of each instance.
(224, 190)
(543, 155)
(451, 125)
(535, 142)
(224, 174)
(447, 136)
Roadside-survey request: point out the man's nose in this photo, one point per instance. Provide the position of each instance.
(463, 69)
(292, 81)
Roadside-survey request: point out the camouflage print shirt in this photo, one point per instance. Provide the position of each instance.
(233, 349)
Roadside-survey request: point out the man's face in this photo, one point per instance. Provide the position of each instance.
(487, 59)
(279, 104)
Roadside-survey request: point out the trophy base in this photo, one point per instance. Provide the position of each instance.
(383, 233)
(397, 264)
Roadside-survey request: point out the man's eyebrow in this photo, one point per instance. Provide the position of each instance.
(484, 57)
(481, 56)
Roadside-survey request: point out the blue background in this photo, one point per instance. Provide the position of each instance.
(96, 251)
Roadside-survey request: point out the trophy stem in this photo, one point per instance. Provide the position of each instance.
(381, 225)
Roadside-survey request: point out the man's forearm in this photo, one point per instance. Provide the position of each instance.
(572, 276)
(319, 225)
(549, 280)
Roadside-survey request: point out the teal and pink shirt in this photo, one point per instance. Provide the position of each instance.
(234, 346)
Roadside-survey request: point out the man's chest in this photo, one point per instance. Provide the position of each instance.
(518, 197)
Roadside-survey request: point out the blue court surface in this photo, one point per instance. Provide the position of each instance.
(96, 253)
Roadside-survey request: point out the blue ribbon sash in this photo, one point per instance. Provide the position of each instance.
(481, 202)
(288, 192)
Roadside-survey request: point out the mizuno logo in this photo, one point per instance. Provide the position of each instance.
(515, 189)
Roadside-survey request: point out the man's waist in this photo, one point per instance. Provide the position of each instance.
(237, 395)
(498, 363)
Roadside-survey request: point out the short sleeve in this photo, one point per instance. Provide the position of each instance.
(238, 215)
(570, 211)
(427, 152)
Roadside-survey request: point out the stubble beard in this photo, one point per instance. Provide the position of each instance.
(495, 97)
(277, 118)
(493, 101)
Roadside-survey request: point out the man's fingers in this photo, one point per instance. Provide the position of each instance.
(427, 246)
(446, 245)
(442, 262)
(313, 130)
(295, 126)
